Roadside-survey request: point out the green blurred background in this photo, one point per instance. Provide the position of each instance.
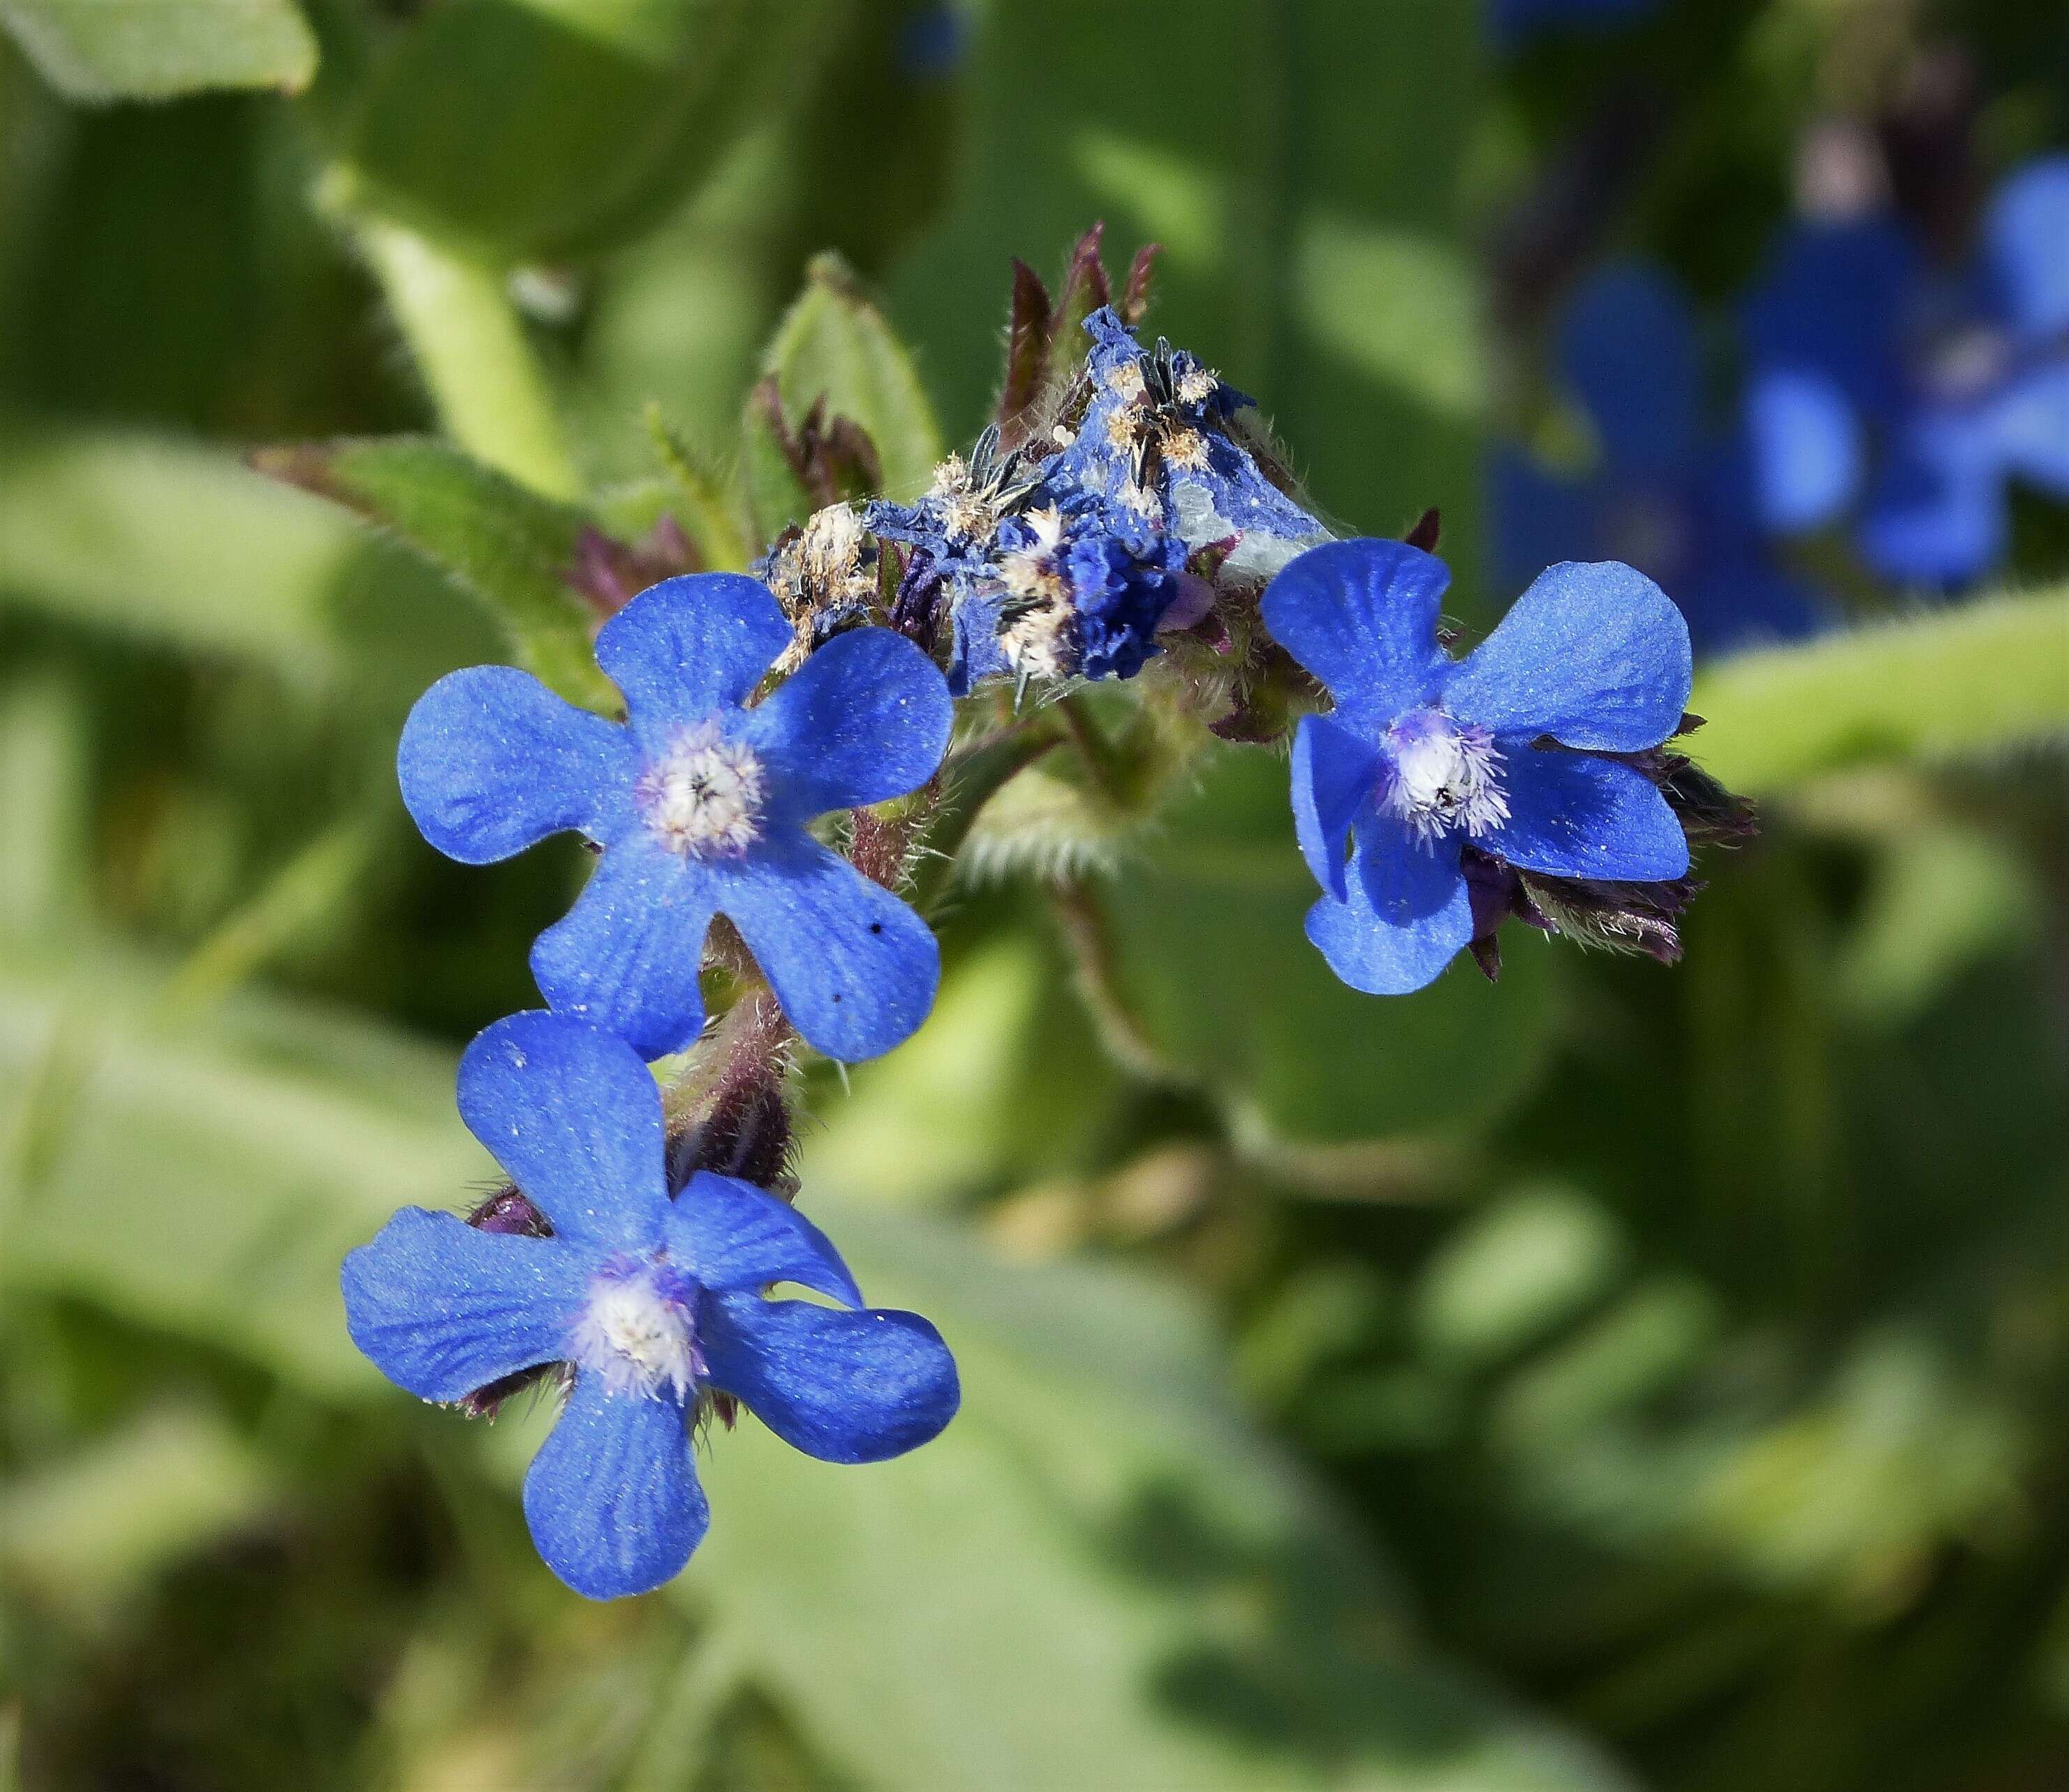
(1617, 1377)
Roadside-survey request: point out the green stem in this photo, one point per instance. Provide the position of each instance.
(470, 347)
(1990, 674)
(1108, 772)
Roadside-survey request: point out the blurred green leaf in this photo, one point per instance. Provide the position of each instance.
(91, 1526)
(44, 886)
(168, 540)
(1987, 675)
(97, 50)
(502, 544)
(209, 1176)
(1098, 1576)
(550, 128)
(1513, 1273)
(1209, 959)
(1943, 898)
(1001, 1087)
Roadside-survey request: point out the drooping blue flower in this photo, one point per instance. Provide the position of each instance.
(648, 1303)
(1666, 495)
(1159, 439)
(699, 804)
(1505, 751)
(1909, 399)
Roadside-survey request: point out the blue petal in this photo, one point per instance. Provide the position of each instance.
(491, 762)
(1627, 345)
(2027, 238)
(613, 1498)
(1405, 914)
(729, 1235)
(843, 1387)
(1539, 519)
(1361, 616)
(1937, 516)
(688, 647)
(1805, 442)
(1831, 303)
(855, 968)
(2030, 421)
(1334, 771)
(442, 1309)
(627, 957)
(1571, 815)
(864, 719)
(574, 1117)
(1593, 654)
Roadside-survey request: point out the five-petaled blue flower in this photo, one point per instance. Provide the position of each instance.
(700, 806)
(649, 1302)
(1423, 756)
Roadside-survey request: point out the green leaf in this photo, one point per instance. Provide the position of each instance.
(209, 1175)
(1989, 673)
(90, 1526)
(1209, 961)
(1002, 1086)
(130, 531)
(97, 50)
(502, 544)
(1098, 1575)
(835, 343)
(549, 128)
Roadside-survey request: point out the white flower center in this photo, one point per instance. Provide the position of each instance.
(705, 795)
(635, 1332)
(1441, 774)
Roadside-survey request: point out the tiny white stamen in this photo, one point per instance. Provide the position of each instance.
(705, 795)
(635, 1336)
(1441, 776)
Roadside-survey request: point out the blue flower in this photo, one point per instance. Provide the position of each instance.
(1514, 21)
(1878, 385)
(1665, 496)
(1159, 439)
(1503, 752)
(700, 805)
(1074, 585)
(649, 1304)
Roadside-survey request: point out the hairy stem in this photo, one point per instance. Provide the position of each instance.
(469, 345)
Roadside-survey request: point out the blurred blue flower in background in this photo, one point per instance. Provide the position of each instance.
(648, 1303)
(1514, 23)
(1666, 495)
(1423, 757)
(700, 806)
(1961, 378)
(1915, 395)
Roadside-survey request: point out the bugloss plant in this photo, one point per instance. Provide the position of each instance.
(784, 771)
